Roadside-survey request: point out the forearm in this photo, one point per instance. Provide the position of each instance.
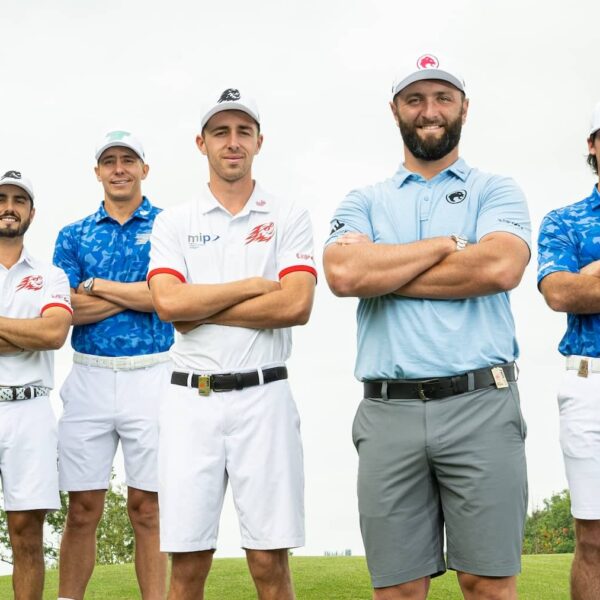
(574, 293)
(176, 301)
(33, 334)
(368, 269)
(7, 348)
(91, 309)
(133, 296)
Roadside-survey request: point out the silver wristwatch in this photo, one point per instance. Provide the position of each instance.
(87, 285)
(461, 241)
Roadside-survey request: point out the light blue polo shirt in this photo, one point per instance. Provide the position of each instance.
(409, 338)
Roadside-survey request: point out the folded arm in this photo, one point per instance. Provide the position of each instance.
(576, 293)
(178, 301)
(495, 264)
(7, 348)
(47, 332)
(355, 266)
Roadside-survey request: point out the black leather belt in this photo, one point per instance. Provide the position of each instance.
(226, 382)
(438, 387)
(25, 392)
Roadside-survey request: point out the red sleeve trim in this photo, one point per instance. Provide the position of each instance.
(166, 271)
(53, 305)
(305, 268)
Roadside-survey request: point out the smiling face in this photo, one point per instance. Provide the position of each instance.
(121, 171)
(430, 115)
(16, 211)
(230, 140)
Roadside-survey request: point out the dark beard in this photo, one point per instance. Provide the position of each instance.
(431, 148)
(18, 232)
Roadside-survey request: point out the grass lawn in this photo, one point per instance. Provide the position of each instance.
(545, 577)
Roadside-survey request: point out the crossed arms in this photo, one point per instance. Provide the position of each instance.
(255, 302)
(575, 293)
(47, 332)
(431, 268)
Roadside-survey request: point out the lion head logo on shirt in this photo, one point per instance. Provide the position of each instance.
(31, 282)
(261, 233)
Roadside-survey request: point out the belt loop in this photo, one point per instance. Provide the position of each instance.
(384, 391)
(470, 381)
(261, 377)
(516, 371)
(189, 379)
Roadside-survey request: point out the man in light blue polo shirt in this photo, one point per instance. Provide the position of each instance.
(569, 278)
(119, 364)
(432, 253)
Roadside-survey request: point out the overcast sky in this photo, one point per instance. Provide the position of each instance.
(321, 73)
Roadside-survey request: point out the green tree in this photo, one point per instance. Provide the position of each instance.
(550, 530)
(115, 539)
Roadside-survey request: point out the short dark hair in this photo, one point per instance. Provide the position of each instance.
(592, 159)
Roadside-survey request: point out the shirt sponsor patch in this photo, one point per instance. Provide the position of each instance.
(261, 233)
(142, 238)
(31, 282)
(201, 239)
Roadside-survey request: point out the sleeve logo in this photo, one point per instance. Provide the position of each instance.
(261, 233)
(31, 282)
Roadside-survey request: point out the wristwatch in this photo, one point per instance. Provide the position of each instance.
(461, 241)
(87, 285)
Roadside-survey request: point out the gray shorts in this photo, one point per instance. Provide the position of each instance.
(457, 463)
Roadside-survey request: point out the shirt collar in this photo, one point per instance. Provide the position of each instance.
(26, 257)
(258, 201)
(594, 198)
(459, 169)
(141, 212)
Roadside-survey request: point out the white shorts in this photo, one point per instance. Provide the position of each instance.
(101, 407)
(28, 455)
(250, 437)
(579, 404)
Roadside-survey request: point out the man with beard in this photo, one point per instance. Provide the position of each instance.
(432, 253)
(35, 319)
(569, 278)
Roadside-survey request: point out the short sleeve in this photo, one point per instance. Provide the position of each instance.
(295, 250)
(165, 251)
(503, 208)
(352, 215)
(556, 250)
(65, 257)
(56, 291)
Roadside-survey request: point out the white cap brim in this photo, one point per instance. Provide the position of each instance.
(423, 74)
(229, 105)
(120, 144)
(24, 184)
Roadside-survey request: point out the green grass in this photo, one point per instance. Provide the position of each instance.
(545, 577)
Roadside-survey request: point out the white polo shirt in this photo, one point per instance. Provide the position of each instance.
(27, 289)
(201, 242)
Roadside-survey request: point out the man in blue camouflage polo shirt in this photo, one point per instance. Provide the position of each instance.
(569, 278)
(120, 362)
(432, 253)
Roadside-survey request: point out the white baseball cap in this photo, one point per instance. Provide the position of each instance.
(231, 99)
(15, 178)
(120, 138)
(428, 66)
(595, 123)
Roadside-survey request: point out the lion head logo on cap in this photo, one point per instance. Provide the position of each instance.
(11, 175)
(428, 61)
(229, 95)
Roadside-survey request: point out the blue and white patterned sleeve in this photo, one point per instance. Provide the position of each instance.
(556, 250)
(65, 257)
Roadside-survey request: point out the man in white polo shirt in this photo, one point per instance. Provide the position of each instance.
(234, 269)
(35, 316)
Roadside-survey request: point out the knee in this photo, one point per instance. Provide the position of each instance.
(84, 515)
(488, 588)
(26, 531)
(588, 545)
(268, 565)
(143, 512)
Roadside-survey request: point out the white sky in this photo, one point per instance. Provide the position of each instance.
(321, 73)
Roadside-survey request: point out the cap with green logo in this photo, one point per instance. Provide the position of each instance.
(120, 138)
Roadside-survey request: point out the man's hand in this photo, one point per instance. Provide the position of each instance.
(593, 269)
(353, 237)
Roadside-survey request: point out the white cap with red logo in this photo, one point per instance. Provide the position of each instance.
(428, 66)
(15, 178)
(595, 124)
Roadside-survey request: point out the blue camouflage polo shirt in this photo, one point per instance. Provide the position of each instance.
(99, 246)
(569, 239)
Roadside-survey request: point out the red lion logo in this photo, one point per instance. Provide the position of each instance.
(31, 282)
(261, 233)
(427, 61)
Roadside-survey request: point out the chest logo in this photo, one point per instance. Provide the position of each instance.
(142, 238)
(261, 233)
(456, 197)
(31, 282)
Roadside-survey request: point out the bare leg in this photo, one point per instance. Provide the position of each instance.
(150, 562)
(25, 529)
(78, 546)
(585, 572)
(189, 571)
(411, 590)
(476, 587)
(271, 574)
